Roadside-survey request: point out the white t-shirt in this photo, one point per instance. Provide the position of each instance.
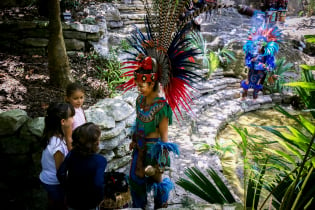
(78, 118)
(48, 173)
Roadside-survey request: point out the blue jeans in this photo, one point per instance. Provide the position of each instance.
(55, 192)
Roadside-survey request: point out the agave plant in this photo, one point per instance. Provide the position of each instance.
(219, 58)
(225, 55)
(276, 79)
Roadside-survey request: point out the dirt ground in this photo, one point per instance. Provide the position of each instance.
(24, 82)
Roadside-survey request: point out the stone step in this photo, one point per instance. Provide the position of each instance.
(129, 16)
(215, 85)
(221, 112)
(130, 7)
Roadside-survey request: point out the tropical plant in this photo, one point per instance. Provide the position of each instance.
(214, 62)
(219, 58)
(225, 55)
(306, 87)
(276, 79)
(211, 59)
(254, 167)
(124, 45)
(200, 185)
(218, 148)
(310, 38)
(110, 71)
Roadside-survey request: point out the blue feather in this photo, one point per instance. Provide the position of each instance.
(157, 150)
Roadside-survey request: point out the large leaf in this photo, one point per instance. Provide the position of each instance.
(214, 62)
(201, 186)
(307, 124)
(282, 155)
(282, 67)
(291, 149)
(310, 39)
(221, 185)
(307, 67)
(306, 85)
(300, 136)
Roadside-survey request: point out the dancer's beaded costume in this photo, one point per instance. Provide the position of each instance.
(164, 55)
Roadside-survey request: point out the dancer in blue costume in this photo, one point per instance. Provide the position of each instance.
(260, 50)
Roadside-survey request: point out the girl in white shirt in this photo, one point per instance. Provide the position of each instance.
(59, 118)
(75, 96)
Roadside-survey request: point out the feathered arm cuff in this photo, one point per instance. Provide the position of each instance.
(157, 151)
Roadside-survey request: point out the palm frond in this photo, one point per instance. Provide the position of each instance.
(221, 185)
(202, 187)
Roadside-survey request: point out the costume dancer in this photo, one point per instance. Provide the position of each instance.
(161, 58)
(260, 50)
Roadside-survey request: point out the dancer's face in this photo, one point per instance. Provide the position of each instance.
(145, 88)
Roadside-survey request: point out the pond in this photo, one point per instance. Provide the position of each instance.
(232, 161)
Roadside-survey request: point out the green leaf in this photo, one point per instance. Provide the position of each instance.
(306, 85)
(310, 40)
(214, 61)
(307, 67)
(283, 155)
(309, 36)
(194, 189)
(204, 184)
(291, 149)
(300, 136)
(307, 124)
(221, 185)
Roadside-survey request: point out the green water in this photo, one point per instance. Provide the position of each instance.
(232, 162)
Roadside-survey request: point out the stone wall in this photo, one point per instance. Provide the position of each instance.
(20, 151)
(32, 37)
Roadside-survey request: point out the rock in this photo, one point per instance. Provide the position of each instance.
(115, 164)
(116, 108)
(100, 118)
(11, 121)
(110, 144)
(108, 134)
(33, 129)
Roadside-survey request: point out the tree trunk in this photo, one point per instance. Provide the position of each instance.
(58, 63)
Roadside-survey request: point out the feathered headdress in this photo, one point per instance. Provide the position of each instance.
(166, 43)
(268, 35)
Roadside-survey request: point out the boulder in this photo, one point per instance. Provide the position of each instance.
(11, 121)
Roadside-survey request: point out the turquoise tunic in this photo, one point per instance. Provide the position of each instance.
(150, 116)
(154, 151)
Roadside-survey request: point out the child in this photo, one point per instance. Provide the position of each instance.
(150, 142)
(82, 172)
(59, 117)
(75, 96)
